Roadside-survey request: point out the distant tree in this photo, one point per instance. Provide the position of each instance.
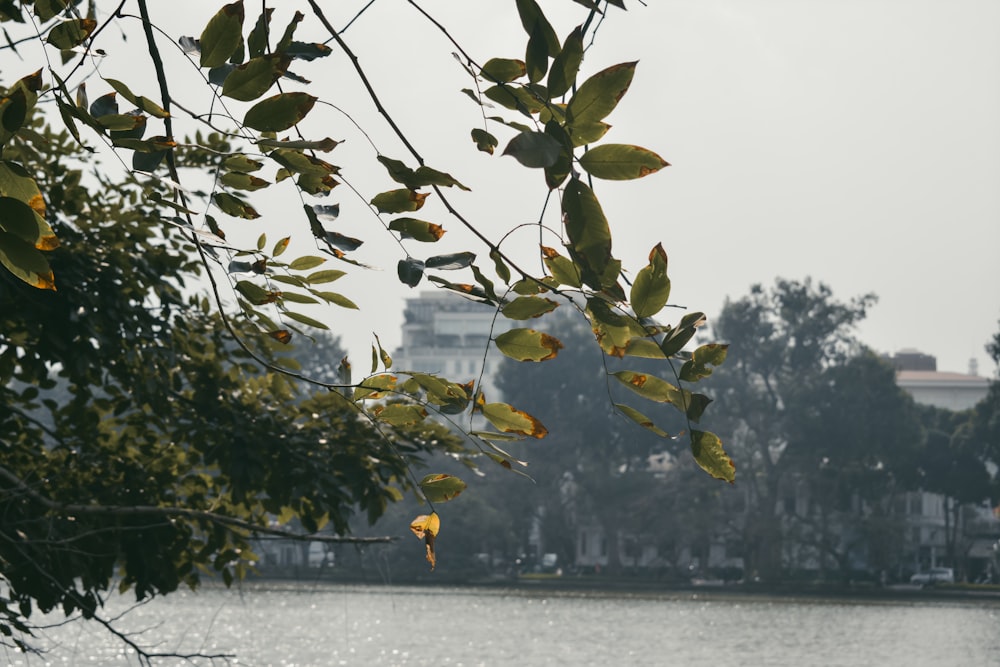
(985, 426)
(782, 342)
(596, 468)
(854, 437)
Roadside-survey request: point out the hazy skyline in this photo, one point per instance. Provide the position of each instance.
(856, 143)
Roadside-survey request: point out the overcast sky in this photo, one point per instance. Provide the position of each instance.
(854, 142)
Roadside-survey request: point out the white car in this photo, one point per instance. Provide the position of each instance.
(935, 575)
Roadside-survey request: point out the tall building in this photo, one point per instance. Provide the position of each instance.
(449, 335)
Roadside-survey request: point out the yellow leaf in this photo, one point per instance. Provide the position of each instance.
(426, 528)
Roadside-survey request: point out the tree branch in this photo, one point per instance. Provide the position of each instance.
(181, 512)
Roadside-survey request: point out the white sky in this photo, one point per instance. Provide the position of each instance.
(856, 142)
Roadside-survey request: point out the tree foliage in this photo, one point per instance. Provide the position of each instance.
(177, 432)
(786, 343)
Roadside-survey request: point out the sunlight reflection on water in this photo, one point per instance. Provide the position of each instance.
(317, 626)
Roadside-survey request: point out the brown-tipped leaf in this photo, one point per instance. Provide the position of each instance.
(509, 419)
(223, 35)
(651, 287)
(426, 527)
(528, 345)
(709, 454)
(441, 488)
(279, 112)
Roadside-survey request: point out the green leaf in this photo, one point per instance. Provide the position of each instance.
(71, 33)
(15, 105)
(375, 387)
(559, 171)
(151, 145)
(307, 51)
(461, 288)
(427, 176)
(325, 276)
(17, 183)
(675, 341)
(326, 144)
(561, 268)
(615, 332)
(254, 293)
(25, 262)
(305, 263)
(257, 40)
(661, 391)
(641, 419)
(528, 345)
(300, 163)
(528, 307)
(704, 357)
(566, 65)
(383, 355)
(418, 230)
(651, 287)
(286, 38)
(280, 247)
(299, 317)
(582, 134)
(503, 271)
(279, 112)
(645, 348)
(536, 54)
(443, 393)
(588, 232)
(441, 488)
(526, 99)
(242, 164)
(295, 297)
(235, 206)
(508, 419)
(451, 262)
(486, 283)
(223, 35)
(121, 122)
(535, 150)
(621, 162)
(48, 9)
(255, 77)
(336, 299)
(502, 70)
(709, 454)
(534, 20)
(696, 406)
(399, 201)
(410, 271)
(499, 437)
(400, 414)
(144, 103)
(418, 178)
(599, 95)
(23, 222)
(234, 179)
(485, 141)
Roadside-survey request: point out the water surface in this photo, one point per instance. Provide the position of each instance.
(321, 625)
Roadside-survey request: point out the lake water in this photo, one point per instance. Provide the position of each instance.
(315, 626)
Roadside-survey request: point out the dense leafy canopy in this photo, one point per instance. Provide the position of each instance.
(156, 425)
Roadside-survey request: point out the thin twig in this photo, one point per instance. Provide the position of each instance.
(183, 512)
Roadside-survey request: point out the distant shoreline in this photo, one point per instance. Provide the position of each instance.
(638, 586)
